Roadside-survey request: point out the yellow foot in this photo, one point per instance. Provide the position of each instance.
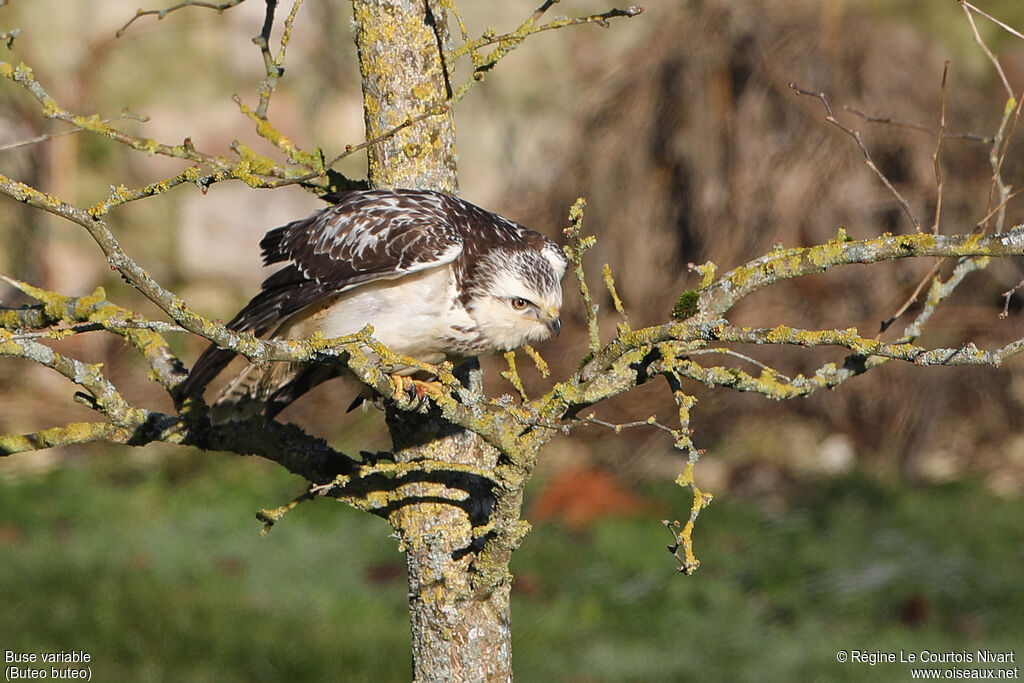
(409, 388)
(403, 387)
(426, 388)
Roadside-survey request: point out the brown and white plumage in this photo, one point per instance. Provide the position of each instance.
(436, 276)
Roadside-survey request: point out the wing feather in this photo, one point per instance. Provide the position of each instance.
(366, 236)
(363, 237)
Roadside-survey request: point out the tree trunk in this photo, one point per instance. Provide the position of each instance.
(404, 76)
(459, 611)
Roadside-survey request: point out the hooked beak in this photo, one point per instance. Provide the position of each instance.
(555, 326)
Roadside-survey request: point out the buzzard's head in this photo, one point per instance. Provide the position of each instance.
(517, 296)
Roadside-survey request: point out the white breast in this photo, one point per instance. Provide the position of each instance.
(416, 315)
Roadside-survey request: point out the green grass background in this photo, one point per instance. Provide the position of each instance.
(158, 573)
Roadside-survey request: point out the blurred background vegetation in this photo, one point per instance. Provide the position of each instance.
(883, 515)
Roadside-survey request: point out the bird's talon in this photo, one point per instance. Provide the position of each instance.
(424, 389)
(411, 390)
(403, 387)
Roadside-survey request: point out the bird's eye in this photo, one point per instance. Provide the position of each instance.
(520, 304)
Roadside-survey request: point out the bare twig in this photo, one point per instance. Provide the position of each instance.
(49, 136)
(1007, 295)
(1006, 27)
(273, 69)
(352, 149)
(939, 135)
(738, 356)
(997, 154)
(7, 37)
(938, 148)
(855, 134)
(968, 8)
(274, 66)
(910, 300)
(529, 27)
(242, 169)
(507, 42)
(998, 207)
(871, 118)
(161, 13)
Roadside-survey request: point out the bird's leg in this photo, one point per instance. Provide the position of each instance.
(409, 388)
(403, 387)
(424, 389)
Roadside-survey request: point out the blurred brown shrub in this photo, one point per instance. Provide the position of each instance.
(697, 149)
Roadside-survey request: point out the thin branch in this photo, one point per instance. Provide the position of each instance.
(939, 292)
(512, 375)
(104, 396)
(635, 357)
(267, 131)
(1007, 295)
(538, 360)
(998, 208)
(8, 37)
(50, 136)
(352, 149)
(67, 435)
(274, 66)
(910, 300)
(855, 134)
(683, 538)
(121, 195)
(997, 154)
(609, 282)
(529, 27)
(740, 356)
(251, 168)
(161, 13)
(720, 296)
(70, 315)
(968, 8)
(580, 245)
(967, 354)
(1006, 27)
(938, 148)
(507, 42)
(871, 118)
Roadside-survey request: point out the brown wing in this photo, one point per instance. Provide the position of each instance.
(365, 236)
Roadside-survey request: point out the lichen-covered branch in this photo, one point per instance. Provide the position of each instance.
(575, 251)
(507, 42)
(719, 295)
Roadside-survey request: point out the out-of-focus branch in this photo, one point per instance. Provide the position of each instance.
(161, 13)
(968, 8)
(855, 134)
(49, 136)
(507, 42)
(8, 37)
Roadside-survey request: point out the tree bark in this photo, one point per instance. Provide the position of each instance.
(459, 610)
(404, 77)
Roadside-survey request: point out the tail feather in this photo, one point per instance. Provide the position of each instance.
(267, 388)
(284, 293)
(209, 365)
